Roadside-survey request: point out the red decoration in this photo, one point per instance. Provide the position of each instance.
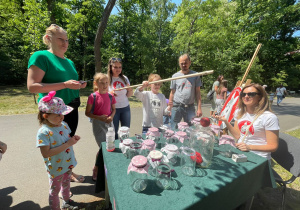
(197, 158)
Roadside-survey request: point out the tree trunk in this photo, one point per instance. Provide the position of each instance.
(101, 27)
(50, 6)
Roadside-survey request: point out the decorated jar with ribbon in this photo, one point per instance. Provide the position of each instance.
(147, 146)
(135, 149)
(123, 133)
(163, 176)
(172, 153)
(154, 158)
(226, 144)
(125, 146)
(216, 129)
(153, 133)
(138, 172)
(203, 143)
(169, 137)
(196, 122)
(182, 138)
(182, 126)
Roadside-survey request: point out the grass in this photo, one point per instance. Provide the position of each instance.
(17, 100)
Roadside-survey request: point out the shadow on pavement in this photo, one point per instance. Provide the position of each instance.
(6, 201)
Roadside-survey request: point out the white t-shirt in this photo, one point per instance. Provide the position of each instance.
(280, 91)
(121, 97)
(257, 134)
(154, 107)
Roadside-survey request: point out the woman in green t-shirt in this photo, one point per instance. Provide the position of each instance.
(49, 70)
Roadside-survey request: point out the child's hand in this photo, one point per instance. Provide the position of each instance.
(72, 141)
(109, 119)
(145, 84)
(102, 118)
(77, 137)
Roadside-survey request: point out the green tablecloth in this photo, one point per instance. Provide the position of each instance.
(225, 185)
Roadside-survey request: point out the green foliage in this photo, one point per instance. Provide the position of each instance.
(149, 36)
(279, 79)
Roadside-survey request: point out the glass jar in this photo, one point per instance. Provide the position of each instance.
(226, 145)
(155, 157)
(182, 126)
(125, 146)
(172, 153)
(153, 133)
(135, 149)
(147, 146)
(182, 137)
(123, 133)
(196, 122)
(190, 132)
(163, 176)
(203, 143)
(187, 163)
(216, 131)
(169, 137)
(138, 172)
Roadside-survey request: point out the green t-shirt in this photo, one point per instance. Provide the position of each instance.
(56, 70)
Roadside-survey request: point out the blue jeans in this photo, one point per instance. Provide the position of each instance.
(122, 115)
(167, 119)
(279, 99)
(145, 129)
(179, 112)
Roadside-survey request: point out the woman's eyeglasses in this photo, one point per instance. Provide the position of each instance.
(116, 59)
(250, 94)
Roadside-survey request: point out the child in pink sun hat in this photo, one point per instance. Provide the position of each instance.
(56, 145)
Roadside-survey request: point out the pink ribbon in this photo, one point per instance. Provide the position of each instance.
(50, 95)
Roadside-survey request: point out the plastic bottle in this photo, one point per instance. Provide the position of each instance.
(110, 139)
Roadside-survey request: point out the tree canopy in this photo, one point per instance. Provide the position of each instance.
(150, 35)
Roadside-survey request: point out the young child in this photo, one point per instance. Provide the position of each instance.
(103, 113)
(154, 103)
(221, 96)
(271, 98)
(55, 144)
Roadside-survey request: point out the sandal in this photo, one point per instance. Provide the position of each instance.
(60, 195)
(77, 178)
(95, 172)
(69, 205)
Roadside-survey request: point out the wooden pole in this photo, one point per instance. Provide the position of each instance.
(169, 79)
(251, 62)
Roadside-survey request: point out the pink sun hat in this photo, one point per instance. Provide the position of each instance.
(55, 105)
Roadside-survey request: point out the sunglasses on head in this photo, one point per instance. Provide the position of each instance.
(116, 59)
(250, 94)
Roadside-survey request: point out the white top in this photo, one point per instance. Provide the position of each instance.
(154, 107)
(257, 134)
(280, 91)
(121, 97)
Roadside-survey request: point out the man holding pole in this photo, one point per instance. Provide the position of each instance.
(183, 94)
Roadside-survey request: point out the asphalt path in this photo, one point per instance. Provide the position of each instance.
(23, 178)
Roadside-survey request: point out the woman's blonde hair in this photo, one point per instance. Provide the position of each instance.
(153, 77)
(51, 30)
(263, 104)
(110, 73)
(97, 78)
(222, 85)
